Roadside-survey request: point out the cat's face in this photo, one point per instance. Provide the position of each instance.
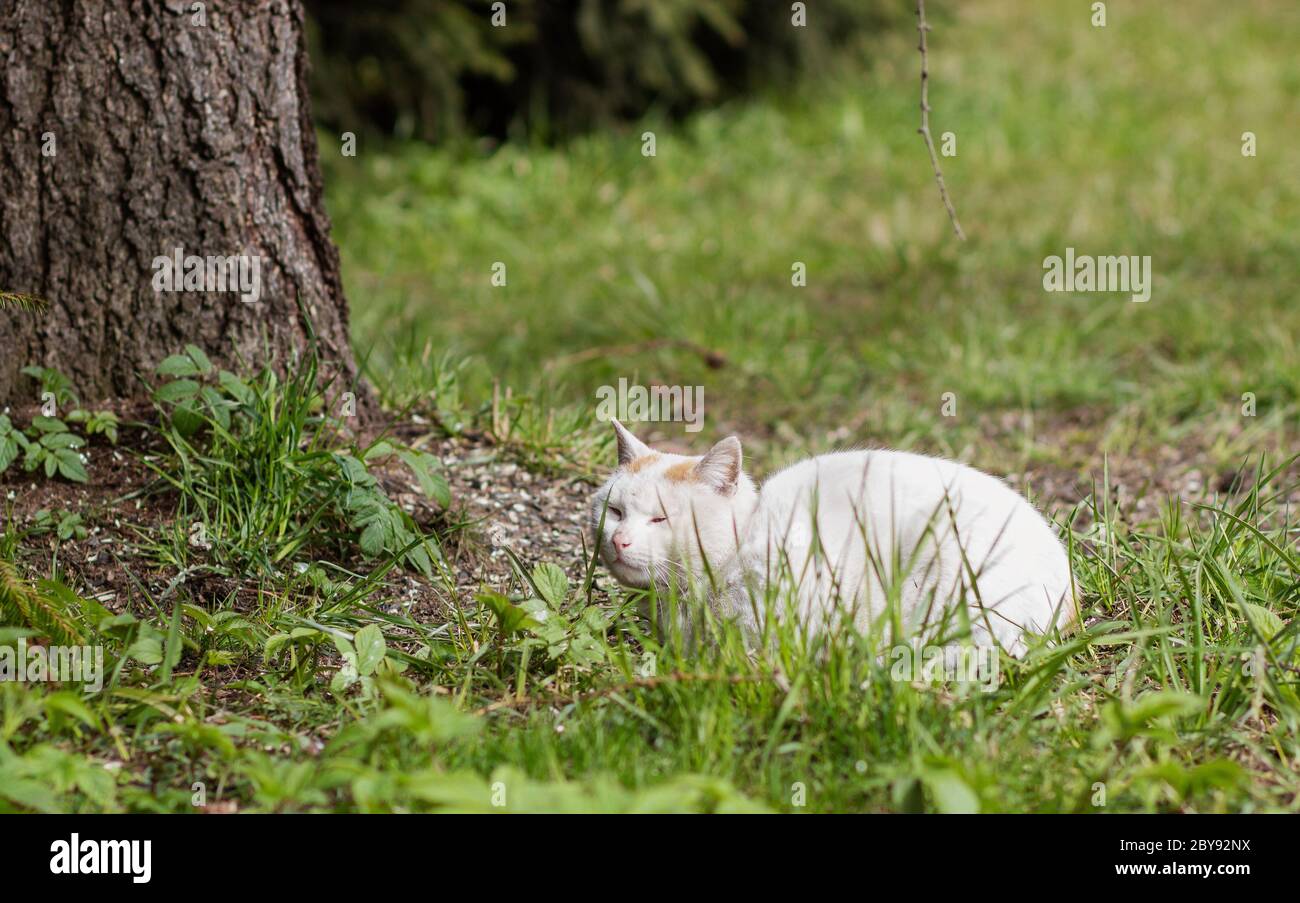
(665, 515)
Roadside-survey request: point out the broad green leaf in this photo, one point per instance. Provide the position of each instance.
(217, 405)
(186, 419)
(235, 387)
(29, 793)
(180, 390)
(552, 583)
(70, 704)
(510, 617)
(1266, 622)
(370, 646)
(432, 482)
(62, 440)
(1162, 703)
(49, 424)
(1122, 720)
(147, 650)
(70, 466)
(419, 559)
(344, 677)
(378, 451)
(200, 359)
(273, 645)
(178, 365)
(372, 539)
(952, 795)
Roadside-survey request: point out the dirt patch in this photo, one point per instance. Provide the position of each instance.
(497, 504)
(1140, 479)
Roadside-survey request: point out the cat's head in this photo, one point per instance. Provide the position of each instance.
(665, 515)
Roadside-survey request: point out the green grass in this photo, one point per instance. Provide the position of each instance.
(299, 686)
(275, 473)
(1119, 140)
(1179, 694)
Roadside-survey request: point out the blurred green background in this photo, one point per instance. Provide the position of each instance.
(1124, 139)
(548, 69)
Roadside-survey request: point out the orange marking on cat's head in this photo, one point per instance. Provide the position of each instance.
(681, 472)
(637, 464)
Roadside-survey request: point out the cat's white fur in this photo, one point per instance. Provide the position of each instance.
(839, 532)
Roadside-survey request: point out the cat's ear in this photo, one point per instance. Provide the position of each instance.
(720, 468)
(629, 446)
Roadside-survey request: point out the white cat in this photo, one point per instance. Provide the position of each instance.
(839, 535)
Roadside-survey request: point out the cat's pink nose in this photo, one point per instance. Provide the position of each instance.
(623, 543)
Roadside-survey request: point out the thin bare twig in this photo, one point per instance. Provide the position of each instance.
(922, 28)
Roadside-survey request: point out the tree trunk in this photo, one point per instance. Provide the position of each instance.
(130, 129)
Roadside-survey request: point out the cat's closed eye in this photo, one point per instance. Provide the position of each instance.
(615, 512)
(658, 520)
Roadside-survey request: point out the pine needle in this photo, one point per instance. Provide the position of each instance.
(24, 605)
(19, 301)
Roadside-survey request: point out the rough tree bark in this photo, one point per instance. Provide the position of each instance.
(131, 128)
